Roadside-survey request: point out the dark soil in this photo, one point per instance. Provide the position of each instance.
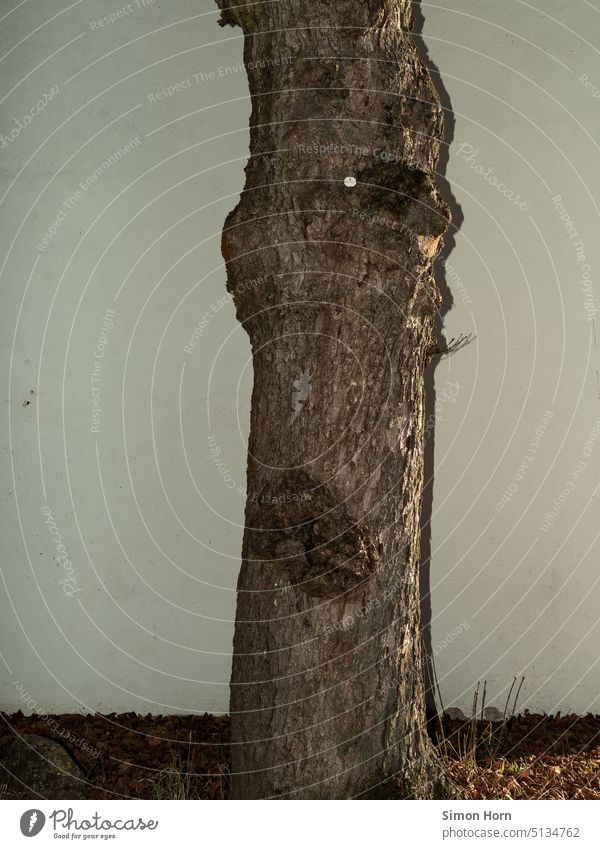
(187, 757)
(132, 756)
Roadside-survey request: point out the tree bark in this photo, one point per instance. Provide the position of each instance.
(334, 286)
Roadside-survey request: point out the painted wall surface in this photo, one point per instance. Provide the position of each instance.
(123, 138)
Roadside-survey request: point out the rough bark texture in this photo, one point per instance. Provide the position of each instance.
(334, 286)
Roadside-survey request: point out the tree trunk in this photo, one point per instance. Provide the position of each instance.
(334, 286)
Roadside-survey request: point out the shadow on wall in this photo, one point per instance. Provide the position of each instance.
(430, 395)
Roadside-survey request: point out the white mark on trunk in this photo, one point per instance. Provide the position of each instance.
(302, 389)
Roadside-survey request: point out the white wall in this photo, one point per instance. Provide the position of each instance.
(143, 618)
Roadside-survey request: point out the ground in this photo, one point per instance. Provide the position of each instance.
(187, 757)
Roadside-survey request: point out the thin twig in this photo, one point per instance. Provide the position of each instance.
(483, 700)
(517, 695)
(508, 698)
(454, 345)
(473, 740)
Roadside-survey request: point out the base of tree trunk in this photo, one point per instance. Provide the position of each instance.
(432, 781)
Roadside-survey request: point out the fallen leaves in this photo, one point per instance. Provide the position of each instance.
(131, 756)
(528, 757)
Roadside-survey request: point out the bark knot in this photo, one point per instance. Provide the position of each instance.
(301, 527)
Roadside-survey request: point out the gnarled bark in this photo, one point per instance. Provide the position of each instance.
(334, 286)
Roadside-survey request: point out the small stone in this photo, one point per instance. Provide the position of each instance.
(456, 713)
(37, 767)
(492, 714)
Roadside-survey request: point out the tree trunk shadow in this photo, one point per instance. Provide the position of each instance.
(430, 394)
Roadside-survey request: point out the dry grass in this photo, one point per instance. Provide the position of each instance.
(182, 780)
(525, 757)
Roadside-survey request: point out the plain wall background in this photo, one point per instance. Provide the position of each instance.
(148, 516)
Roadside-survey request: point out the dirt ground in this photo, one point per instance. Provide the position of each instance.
(187, 757)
